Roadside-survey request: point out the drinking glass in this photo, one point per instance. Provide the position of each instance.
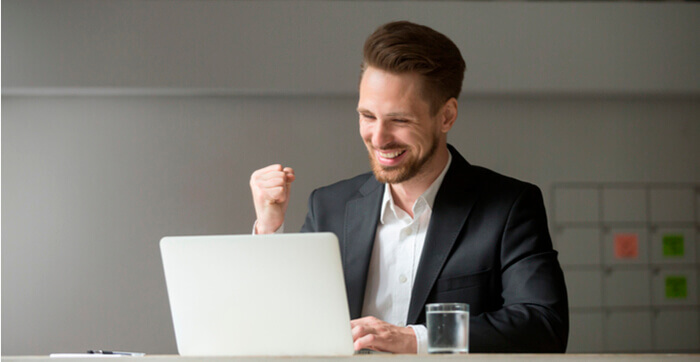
(448, 327)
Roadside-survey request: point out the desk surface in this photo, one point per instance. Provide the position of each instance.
(393, 358)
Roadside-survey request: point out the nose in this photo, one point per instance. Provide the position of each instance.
(382, 134)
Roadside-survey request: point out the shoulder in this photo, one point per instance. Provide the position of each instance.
(491, 180)
(491, 188)
(485, 182)
(505, 194)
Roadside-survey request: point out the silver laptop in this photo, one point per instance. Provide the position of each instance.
(257, 295)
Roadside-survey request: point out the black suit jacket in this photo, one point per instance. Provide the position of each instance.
(487, 245)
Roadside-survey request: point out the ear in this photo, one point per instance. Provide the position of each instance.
(448, 115)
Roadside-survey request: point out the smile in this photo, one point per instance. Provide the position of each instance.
(390, 155)
(390, 159)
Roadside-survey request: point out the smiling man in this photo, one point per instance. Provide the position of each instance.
(426, 226)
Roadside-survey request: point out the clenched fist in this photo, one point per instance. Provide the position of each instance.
(270, 187)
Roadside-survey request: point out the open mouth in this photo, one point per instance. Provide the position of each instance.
(389, 158)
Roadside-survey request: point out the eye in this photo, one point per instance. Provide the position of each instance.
(367, 116)
(401, 120)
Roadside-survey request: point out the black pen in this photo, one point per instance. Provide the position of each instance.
(99, 351)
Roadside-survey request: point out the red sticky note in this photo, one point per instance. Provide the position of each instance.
(626, 246)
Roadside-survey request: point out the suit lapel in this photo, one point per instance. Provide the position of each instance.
(450, 211)
(361, 218)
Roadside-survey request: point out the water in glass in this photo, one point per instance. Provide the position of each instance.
(448, 331)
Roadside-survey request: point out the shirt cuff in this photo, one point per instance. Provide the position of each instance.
(278, 231)
(421, 338)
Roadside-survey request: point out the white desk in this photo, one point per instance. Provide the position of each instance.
(390, 358)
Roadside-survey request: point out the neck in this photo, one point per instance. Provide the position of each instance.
(406, 193)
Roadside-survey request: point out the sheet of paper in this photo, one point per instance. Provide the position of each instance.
(626, 246)
(83, 355)
(676, 287)
(674, 245)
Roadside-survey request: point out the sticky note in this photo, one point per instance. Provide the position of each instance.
(673, 245)
(676, 287)
(626, 246)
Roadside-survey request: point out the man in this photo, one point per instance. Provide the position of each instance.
(425, 226)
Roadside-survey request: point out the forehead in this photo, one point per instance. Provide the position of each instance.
(385, 92)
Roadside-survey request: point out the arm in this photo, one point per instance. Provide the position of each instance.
(310, 221)
(534, 316)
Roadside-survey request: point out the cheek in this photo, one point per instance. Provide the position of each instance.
(363, 134)
(419, 138)
(365, 131)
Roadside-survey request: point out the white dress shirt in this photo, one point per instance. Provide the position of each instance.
(398, 245)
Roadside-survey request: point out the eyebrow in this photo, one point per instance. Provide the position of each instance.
(391, 114)
(400, 114)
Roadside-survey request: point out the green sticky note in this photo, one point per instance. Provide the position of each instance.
(676, 287)
(673, 245)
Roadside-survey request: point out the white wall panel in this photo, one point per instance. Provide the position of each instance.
(578, 246)
(628, 332)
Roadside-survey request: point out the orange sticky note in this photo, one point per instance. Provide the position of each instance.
(626, 246)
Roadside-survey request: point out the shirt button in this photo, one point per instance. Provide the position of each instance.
(407, 232)
(402, 278)
(401, 324)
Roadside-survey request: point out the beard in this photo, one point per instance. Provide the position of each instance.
(409, 169)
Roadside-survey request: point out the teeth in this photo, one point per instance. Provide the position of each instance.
(390, 154)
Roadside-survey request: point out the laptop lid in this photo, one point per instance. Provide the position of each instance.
(257, 295)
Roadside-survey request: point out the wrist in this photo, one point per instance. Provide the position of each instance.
(256, 231)
(261, 228)
(410, 346)
(421, 338)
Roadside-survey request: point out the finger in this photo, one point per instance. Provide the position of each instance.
(373, 342)
(289, 175)
(273, 167)
(264, 170)
(271, 175)
(276, 195)
(271, 183)
(366, 342)
(359, 331)
(266, 183)
(268, 179)
(364, 321)
(369, 320)
(356, 322)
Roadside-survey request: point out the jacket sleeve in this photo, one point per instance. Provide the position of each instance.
(310, 221)
(534, 316)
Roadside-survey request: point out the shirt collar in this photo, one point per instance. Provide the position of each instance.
(428, 196)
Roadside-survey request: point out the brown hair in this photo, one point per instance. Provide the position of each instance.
(405, 47)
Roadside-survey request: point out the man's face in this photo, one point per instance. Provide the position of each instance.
(396, 125)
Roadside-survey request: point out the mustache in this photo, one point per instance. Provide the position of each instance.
(389, 146)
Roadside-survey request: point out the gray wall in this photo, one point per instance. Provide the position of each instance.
(127, 121)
